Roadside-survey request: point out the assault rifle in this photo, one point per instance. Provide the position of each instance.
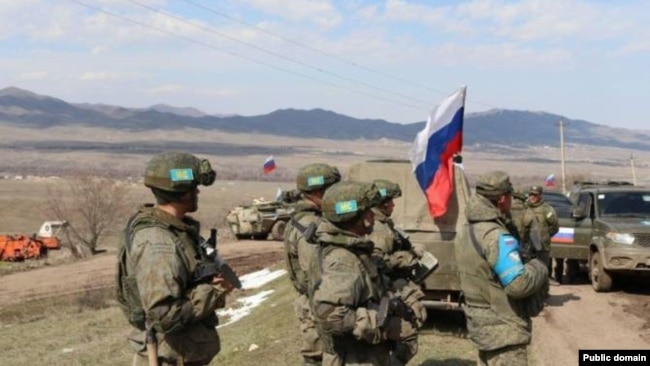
(427, 264)
(206, 271)
(392, 306)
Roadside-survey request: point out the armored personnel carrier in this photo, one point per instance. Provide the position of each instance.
(263, 217)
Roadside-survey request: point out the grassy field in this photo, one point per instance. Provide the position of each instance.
(88, 329)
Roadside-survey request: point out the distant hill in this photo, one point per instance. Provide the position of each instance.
(499, 127)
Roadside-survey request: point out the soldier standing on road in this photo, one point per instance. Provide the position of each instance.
(300, 247)
(501, 292)
(346, 284)
(175, 317)
(547, 221)
(397, 258)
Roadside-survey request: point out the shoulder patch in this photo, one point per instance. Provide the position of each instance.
(181, 175)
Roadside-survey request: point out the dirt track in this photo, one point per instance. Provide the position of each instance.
(244, 256)
(577, 317)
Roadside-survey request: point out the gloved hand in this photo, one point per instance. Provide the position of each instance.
(402, 259)
(411, 294)
(418, 250)
(365, 325)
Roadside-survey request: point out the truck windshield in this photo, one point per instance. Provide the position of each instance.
(624, 204)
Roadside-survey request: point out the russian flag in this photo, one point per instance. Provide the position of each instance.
(434, 148)
(564, 236)
(269, 165)
(550, 180)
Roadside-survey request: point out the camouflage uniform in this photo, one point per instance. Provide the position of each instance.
(157, 260)
(300, 250)
(347, 284)
(498, 315)
(546, 218)
(396, 257)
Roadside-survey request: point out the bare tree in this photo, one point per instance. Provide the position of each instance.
(91, 205)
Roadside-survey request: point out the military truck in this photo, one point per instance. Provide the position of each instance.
(411, 214)
(613, 227)
(260, 219)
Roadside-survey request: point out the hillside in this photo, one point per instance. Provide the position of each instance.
(496, 127)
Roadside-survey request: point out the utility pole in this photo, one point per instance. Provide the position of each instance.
(633, 170)
(562, 156)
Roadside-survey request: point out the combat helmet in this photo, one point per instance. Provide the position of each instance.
(346, 201)
(175, 171)
(316, 176)
(387, 189)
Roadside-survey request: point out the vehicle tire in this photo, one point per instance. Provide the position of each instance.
(242, 236)
(572, 270)
(277, 231)
(601, 281)
(260, 236)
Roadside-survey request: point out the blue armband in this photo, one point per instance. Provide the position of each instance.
(508, 265)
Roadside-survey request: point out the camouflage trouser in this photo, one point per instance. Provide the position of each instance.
(311, 348)
(140, 359)
(506, 356)
(545, 257)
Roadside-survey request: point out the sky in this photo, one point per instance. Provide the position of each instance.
(392, 59)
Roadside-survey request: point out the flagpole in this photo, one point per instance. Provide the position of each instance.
(633, 169)
(562, 156)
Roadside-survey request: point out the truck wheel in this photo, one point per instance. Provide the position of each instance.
(277, 231)
(242, 236)
(600, 279)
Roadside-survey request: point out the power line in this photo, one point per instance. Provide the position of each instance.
(207, 45)
(313, 49)
(324, 53)
(275, 54)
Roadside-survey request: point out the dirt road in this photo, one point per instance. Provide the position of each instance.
(99, 271)
(579, 318)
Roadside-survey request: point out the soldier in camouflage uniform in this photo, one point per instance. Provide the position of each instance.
(501, 292)
(300, 245)
(397, 258)
(346, 284)
(546, 218)
(156, 263)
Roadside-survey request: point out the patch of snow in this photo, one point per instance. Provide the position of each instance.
(248, 303)
(67, 350)
(253, 347)
(260, 278)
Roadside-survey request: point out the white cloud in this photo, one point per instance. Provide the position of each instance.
(101, 76)
(164, 89)
(32, 75)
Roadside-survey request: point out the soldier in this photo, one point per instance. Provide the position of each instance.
(397, 258)
(300, 245)
(518, 211)
(546, 218)
(501, 292)
(174, 316)
(347, 286)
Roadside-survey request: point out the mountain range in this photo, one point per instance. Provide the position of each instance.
(19, 107)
